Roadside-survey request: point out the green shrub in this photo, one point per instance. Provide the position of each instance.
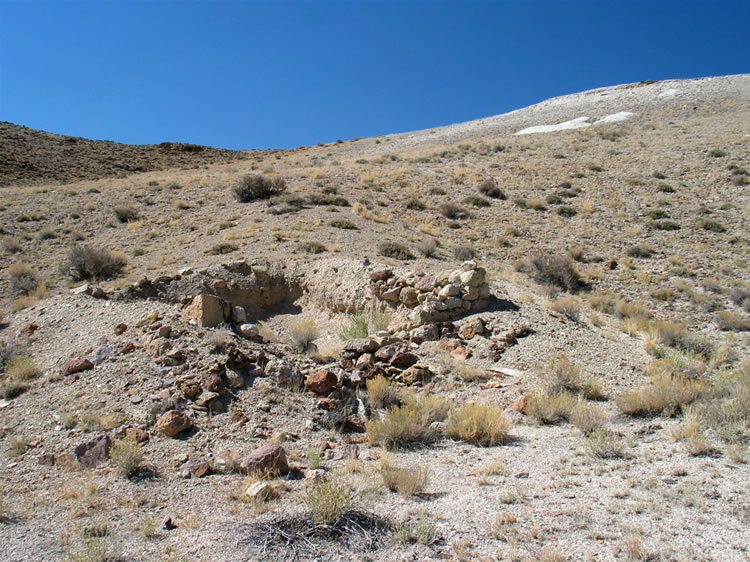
(253, 187)
(717, 153)
(85, 262)
(463, 253)
(641, 251)
(659, 175)
(362, 325)
(604, 444)
(712, 226)
(329, 500)
(665, 188)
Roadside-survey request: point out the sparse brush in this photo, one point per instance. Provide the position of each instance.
(603, 302)
(382, 394)
(665, 393)
(343, 224)
(416, 205)
(452, 211)
(302, 333)
(567, 306)
(395, 250)
(311, 247)
(641, 251)
(367, 213)
(254, 187)
(21, 368)
(329, 499)
(562, 375)
(604, 444)
(730, 321)
(221, 249)
(557, 270)
(428, 248)
(405, 481)
(463, 253)
(489, 188)
(23, 279)
(480, 424)
(362, 325)
(402, 427)
(635, 310)
(550, 408)
(125, 214)
(476, 201)
(314, 457)
(587, 417)
(85, 262)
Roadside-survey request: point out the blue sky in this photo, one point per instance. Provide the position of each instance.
(250, 74)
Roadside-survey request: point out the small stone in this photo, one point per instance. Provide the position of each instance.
(168, 524)
(93, 453)
(403, 359)
(190, 388)
(364, 361)
(120, 329)
(199, 469)
(173, 422)
(416, 374)
(136, 434)
(520, 404)
(250, 331)
(101, 353)
(449, 291)
(208, 311)
(127, 347)
(466, 332)
(381, 275)
(237, 360)
(328, 404)
(259, 491)
(212, 382)
(409, 296)
(46, 459)
(77, 366)
(391, 295)
(239, 315)
(165, 331)
(286, 373)
(361, 345)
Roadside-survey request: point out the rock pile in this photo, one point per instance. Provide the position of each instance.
(434, 298)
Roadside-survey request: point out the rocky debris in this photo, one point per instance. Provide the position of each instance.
(93, 453)
(100, 354)
(250, 331)
(77, 366)
(434, 299)
(136, 434)
(173, 422)
(361, 345)
(120, 329)
(259, 491)
(285, 372)
(268, 459)
(415, 375)
(321, 381)
(208, 311)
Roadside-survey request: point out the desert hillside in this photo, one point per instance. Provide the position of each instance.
(519, 338)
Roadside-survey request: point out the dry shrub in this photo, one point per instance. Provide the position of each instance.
(23, 279)
(253, 187)
(395, 250)
(452, 211)
(557, 270)
(480, 424)
(85, 262)
(604, 444)
(21, 368)
(362, 211)
(329, 499)
(635, 310)
(302, 333)
(405, 481)
(382, 394)
(692, 436)
(730, 321)
(587, 417)
(550, 408)
(126, 455)
(603, 302)
(665, 393)
(567, 306)
(562, 375)
(402, 427)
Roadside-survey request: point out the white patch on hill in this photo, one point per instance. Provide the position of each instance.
(575, 124)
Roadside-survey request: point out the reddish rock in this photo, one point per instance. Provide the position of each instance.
(381, 275)
(269, 458)
(387, 352)
(199, 469)
(321, 381)
(212, 382)
(403, 359)
(328, 404)
(127, 347)
(467, 332)
(355, 424)
(77, 366)
(461, 353)
(173, 422)
(520, 404)
(121, 329)
(93, 453)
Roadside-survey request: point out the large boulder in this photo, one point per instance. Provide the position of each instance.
(174, 422)
(321, 381)
(208, 311)
(269, 459)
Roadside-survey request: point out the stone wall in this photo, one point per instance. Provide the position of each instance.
(434, 298)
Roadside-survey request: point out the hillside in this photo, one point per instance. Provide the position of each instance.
(589, 285)
(31, 157)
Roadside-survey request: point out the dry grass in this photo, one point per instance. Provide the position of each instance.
(402, 427)
(480, 424)
(604, 444)
(550, 408)
(665, 393)
(302, 333)
(730, 321)
(587, 417)
(126, 455)
(329, 499)
(382, 394)
(362, 211)
(562, 375)
(567, 306)
(405, 481)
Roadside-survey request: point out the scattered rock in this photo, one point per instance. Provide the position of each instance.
(250, 331)
(136, 434)
(286, 373)
(101, 353)
(259, 491)
(361, 345)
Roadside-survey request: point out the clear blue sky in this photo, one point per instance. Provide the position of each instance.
(251, 74)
